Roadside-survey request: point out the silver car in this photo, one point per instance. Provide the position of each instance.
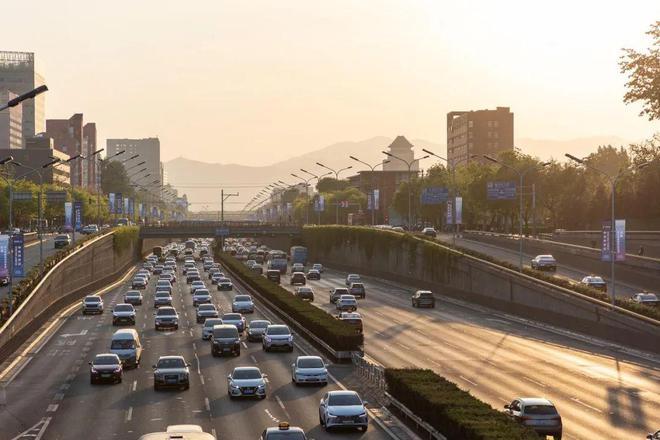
(123, 314)
(246, 382)
(537, 413)
(92, 304)
(171, 371)
(205, 311)
(277, 336)
(343, 408)
(242, 304)
(256, 329)
(309, 369)
(201, 296)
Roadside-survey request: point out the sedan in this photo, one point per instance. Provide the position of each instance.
(139, 283)
(352, 278)
(646, 298)
(162, 298)
(105, 367)
(305, 293)
(358, 290)
(343, 408)
(277, 336)
(123, 314)
(309, 369)
(246, 382)
(347, 303)
(544, 262)
(537, 413)
(205, 311)
(197, 285)
(171, 371)
(234, 319)
(201, 296)
(595, 283)
(224, 283)
(242, 304)
(317, 266)
(133, 297)
(313, 274)
(207, 330)
(256, 329)
(164, 285)
(166, 317)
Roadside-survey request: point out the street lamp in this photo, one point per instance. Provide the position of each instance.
(612, 181)
(337, 179)
(136, 165)
(521, 175)
(28, 95)
(306, 181)
(373, 186)
(409, 165)
(135, 156)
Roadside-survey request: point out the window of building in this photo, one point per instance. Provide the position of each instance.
(496, 123)
(496, 144)
(470, 124)
(496, 134)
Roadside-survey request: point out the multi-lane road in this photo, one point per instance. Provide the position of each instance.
(50, 396)
(600, 390)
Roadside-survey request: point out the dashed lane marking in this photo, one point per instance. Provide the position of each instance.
(207, 404)
(134, 385)
(529, 379)
(129, 414)
(468, 380)
(52, 407)
(586, 405)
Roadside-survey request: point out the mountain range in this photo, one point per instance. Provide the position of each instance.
(202, 181)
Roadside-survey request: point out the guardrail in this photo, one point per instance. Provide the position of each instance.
(371, 371)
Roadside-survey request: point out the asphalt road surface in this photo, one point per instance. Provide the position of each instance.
(51, 397)
(600, 390)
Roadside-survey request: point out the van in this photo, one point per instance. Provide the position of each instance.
(126, 344)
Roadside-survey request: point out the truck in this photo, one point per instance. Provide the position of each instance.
(298, 254)
(158, 251)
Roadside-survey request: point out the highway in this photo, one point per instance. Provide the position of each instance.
(600, 390)
(50, 397)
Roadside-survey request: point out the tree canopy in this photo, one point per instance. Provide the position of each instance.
(643, 71)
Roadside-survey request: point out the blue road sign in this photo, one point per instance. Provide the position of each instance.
(501, 190)
(220, 232)
(434, 195)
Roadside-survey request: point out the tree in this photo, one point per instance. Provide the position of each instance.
(330, 184)
(114, 178)
(643, 71)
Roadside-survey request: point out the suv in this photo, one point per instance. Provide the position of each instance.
(352, 318)
(313, 274)
(337, 292)
(166, 317)
(544, 262)
(277, 336)
(430, 232)
(346, 303)
(357, 290)
(536, 413)
(273, 275)
(352, 278)
(92, 304)
(304, 292)
(595, 283)
(297, 267)
(423, 298)
(298, 278)
(123, 314)
(171, 371)
(256, 329)
(225, 339)
(62, 240)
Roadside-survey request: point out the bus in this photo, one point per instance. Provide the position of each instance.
(298, 255)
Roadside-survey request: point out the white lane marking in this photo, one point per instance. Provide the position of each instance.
(213, 432)
(254, 359)
(129, 414)
(194, 346)
(52, 407)
(156, 419)
(468, 380)
(244, 345)
(541, 384)
(404, 346)
(134, 385)
(576, 400)
(201, 379)
(199, 371)
(207, 404)
(272, 417)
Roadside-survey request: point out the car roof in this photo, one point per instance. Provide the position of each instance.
(278, 325)
(124, 332)
(210, 321)
(342, 393)
(106, 354)
(170, 357)
(534, 401)
(92, 296)
(247, 369)
(308, 357)
(545, 256)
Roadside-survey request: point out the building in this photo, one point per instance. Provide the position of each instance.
(17, 74)
(68, 137)
(38, 151)
(387, 183)
(90, 168)
(478, 132)
(149, 153)
(402, 149)
(11, 122)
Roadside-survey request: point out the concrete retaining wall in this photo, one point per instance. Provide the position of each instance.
(480, 282)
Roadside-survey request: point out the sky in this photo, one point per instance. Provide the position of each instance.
(254, 82)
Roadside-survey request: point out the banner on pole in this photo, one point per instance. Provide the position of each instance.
(450, 212)
(22, 195)
(126, 205)
(606, 242)
(4, 256)
(111, 203)
(18, 256)
(434, 195)
(77, 215)
(620, 238)
(119, 206)
(459, 210)
(131, 207)
(68, 216)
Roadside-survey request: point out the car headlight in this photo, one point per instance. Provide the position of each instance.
(233, 386)
(267, 338)
(94, 370)
(261, 387)
(290, 338)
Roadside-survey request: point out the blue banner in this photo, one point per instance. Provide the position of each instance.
(77, 215)
(111, 203)
(458, 201)
(450, 212)
(68, 216)
(131, 207)
(501, 190)
(18, 259)
(434, 195)
(154, 211)
(126, 205)
(606, 242)
(4, 256)
(119, 206)
(620, 238)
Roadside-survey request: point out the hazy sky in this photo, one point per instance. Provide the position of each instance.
(254, 82)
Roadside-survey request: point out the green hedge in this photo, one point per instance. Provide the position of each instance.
(438, 258)
(123, 237)
(337, 334)
(453, 412)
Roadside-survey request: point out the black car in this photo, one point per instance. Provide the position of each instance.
(62, 240)
(423, 298)
(225, 339)
(105, 368)
(273, 275)
(298, 278)
(313, 274)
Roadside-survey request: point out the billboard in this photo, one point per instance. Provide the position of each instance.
(18, 256)
(4, 256)
(501, 190)
(434, 195)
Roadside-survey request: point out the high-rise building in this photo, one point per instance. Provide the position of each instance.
(67, 135)
(149, 153)
(478, 132)
(17, 74)
(38, 151)
(90, 167)
(11, 122)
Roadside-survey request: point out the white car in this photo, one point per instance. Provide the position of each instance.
(123, 314)
(197, 285)
(246, 382)
(353, 278)
(343, 408)
(201, 296)
(309, 369)
(242, 304)
(207, 330)
(347, 303)
(92, 304)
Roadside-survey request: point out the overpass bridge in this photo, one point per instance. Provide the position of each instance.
(209, 229)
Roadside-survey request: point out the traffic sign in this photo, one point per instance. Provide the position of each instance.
(434, 195)
(501, 190)
(221, 232)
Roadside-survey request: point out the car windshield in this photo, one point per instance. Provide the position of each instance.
(132, 294)
(225, 333)
(344, 400)
(246, 374)
(231, 317)
(278, 330)
(93, 299)
(242, 298)
(540, 410)
(171, 363)
(122, 344)
(163, 283)
(259, 324)
(310, 363)
(206, 307)
(648, 297)
(211, 322)
(165, 312)
(105, 360)
(425, 295)
(305, 289)
(357, 286)
(124, 308)
(201, 292)
(162, 294)
(341, 291)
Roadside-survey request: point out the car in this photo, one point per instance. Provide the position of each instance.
(298, 278)
(537, 413)
(201, 296)
(139, 282)
(297, 267)
(423, 298)
(346, 303)
(235, 319)
(357, 290)
(158, 269)
(305, 293)
(309, 369)
(89, 229)
(207, 265)
(250, 263)
(429, 231)
(225, 284)
(646, 298)
(215, 276)
(246, 382)
(594, 282)
(166, 317)
(207, 328)
(277, 336)
(313, 274)
(273, 275)
(283, 432)
(123, 314)
(317, 266)
(62, 240)
(133, 297)
(126, 344)
(205, 311)
(653, 436)
(188, 266)
(343, 408)
(352, 278)
(162, 298)
(171, 371)
(256, 329)
(544, 262)
(92, 304)
(105, 367)
(169, 275)
(257, 268)
(164, 285)
(225, 339)
(336, 292)
(191, 277)
(242, 304)
(197, 285)
(352, 318)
